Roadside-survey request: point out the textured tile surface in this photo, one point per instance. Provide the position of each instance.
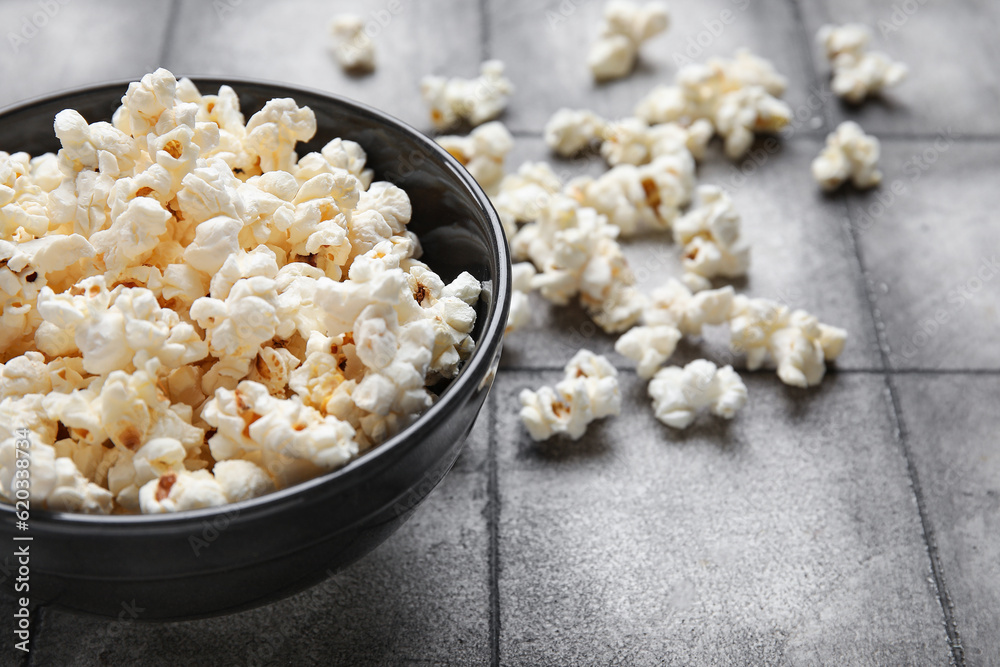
(931, 245)
(952, 423)
(289, 42)
(801, 255)
(789, 536)
(54, 45)
(923, 35)
(420, 597)
(530, 35)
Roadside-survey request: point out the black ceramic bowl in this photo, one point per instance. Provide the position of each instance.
(208, 562)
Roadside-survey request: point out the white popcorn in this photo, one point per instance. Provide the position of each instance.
(180, 491)
(639, 199)
(570, 131)
(473, 100)
(242, 480)
(520, 305)
(353, 47)
(796, 341)
(177, 270)
(672, 312)
(710, 235)
(524, 194)
(680, 393)
(739, 96)
(857, 73)
(588, 391)
(849, 154)
(482, 152)
(625, 27)
(648, 346)
(273, 132)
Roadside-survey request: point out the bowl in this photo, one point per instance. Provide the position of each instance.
(213, 561)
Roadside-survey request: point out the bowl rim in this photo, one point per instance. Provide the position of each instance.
(475, 370)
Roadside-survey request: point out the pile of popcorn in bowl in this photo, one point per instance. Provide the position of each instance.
(194, 315)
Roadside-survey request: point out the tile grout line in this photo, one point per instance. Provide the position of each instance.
(806, 44)
(168, 32)
(760, 372)
(484, 30)
(493, 529)
(930, 542)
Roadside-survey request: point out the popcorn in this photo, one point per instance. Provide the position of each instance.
(626, 26)
(710, 235)
(354, 48)
(849, 154)
(570, 132)
(672, 312)
(473, 100)
(273, 132)
(680, 393)
(738, 96)
(639, 199)
(519, 317)
(588, 391)
(857, 73)
(523, 194)
(796, 341)
(482, 152)
(180, 491)
(179, 270)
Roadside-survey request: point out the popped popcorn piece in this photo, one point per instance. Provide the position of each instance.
(570, 132)
(180, 491)
(524, 194)
(857, 73)
(242, 480)
(672, 312)
(849, 154)
(639, 199)
(520, 305)
(739, 96)
(710, 235)
(474, 100)
(588, 391)
(625, 27)
(482, 152)
(796, 341)
(680, 393)
(273, 132)
(353, 48)
(72, 492)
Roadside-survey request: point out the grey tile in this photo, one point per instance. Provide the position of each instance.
(555, 36)
(951, 50)
(931, 244)
(289, 42)
(952, 424)
(788, 536)
(420, 597)
(69, 44)
(801, 255)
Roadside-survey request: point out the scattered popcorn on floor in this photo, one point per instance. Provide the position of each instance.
(588, 391)
(472, 100)
(353, 47)
(680, 393)
(482, 152)
(191, 314)
(739, 96)
(523, 194)
(849, 154)
(571, 131)
(857, 73)
(519, 317)
(710, 236)
(672, 312)
(625, 27)
(795, 340)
